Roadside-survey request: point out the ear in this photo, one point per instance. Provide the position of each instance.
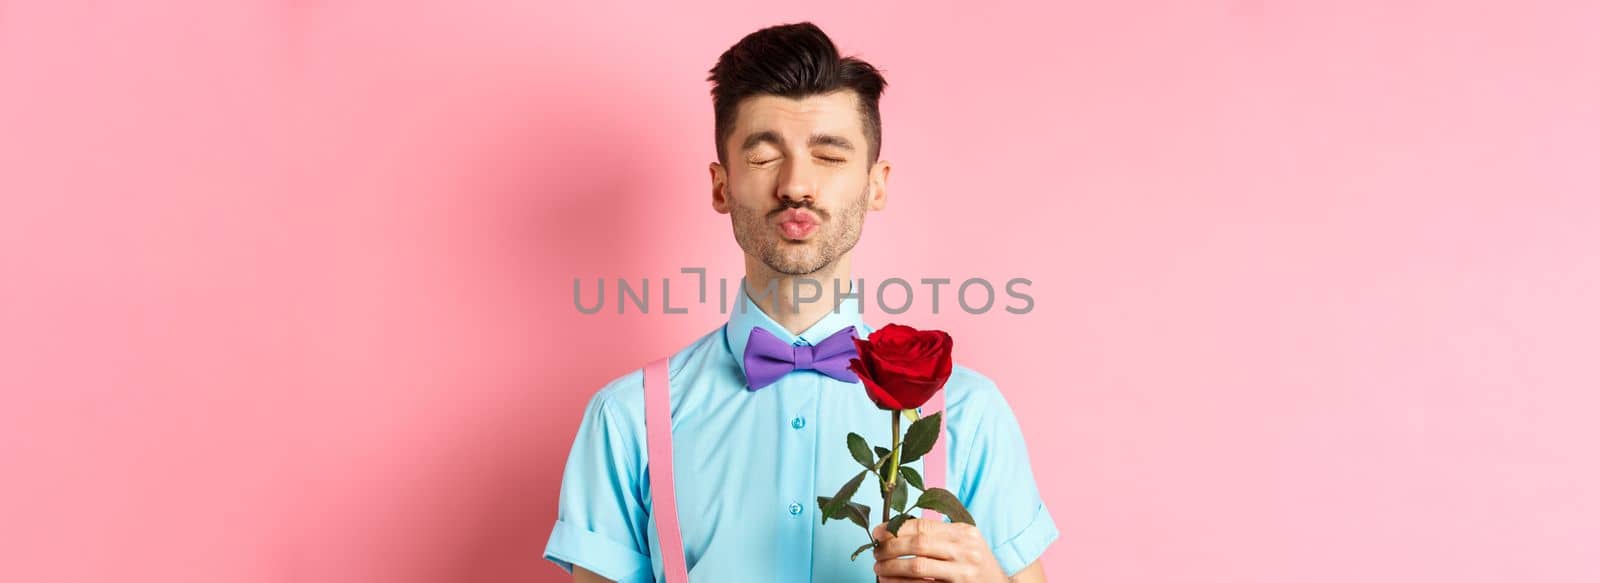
(719, 189)
(878, 184)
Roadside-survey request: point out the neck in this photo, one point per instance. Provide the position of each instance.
(797, 301)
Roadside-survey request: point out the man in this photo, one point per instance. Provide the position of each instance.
(798, 136)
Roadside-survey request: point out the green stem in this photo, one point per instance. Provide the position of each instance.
(894, 464)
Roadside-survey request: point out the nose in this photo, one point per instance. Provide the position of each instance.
(796, 184)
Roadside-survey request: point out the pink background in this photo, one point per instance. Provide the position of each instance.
(287, 285)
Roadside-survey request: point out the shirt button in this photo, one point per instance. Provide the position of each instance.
(795, 508)
(798, 423)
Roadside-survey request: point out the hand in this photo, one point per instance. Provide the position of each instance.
(952, 552)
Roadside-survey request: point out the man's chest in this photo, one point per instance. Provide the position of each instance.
(749, 471)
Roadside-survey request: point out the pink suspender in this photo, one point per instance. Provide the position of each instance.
(658, 437)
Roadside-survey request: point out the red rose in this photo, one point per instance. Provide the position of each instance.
(902, 367)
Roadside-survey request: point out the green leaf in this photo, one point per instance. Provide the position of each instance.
(942, 501)
(920, 437)
(834, 507)
(883, 475)
(862, 548)
(894, 523)
(853, 511)
(883, 452)
(859, 450)
(860, 514)
(912, 477)
(897, 497)
(822, 503)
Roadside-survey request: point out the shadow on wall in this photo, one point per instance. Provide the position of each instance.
(574, 204)
(553, 189)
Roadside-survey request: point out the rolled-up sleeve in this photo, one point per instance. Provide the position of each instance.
(601, 522)
(998, 486)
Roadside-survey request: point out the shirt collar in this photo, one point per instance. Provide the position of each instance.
(746, 314)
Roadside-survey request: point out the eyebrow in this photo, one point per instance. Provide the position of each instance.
(773, 138)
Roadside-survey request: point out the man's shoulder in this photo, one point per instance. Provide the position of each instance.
(969, 389)
(624, 395)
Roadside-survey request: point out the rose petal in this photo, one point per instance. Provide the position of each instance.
(880, 397)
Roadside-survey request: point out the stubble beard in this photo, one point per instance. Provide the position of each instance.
(837, 236)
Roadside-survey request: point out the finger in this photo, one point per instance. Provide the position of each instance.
(898, 541)
(919, 525)
(922, 545)
(952, 531)
(914, 526)
(881, 531)
(916, 568)
(940, 530)
(911, 526)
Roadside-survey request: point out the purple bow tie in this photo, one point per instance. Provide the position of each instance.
(767, 358)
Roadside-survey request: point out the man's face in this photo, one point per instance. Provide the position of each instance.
(798, 184)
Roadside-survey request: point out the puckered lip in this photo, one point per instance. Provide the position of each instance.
(801, 216)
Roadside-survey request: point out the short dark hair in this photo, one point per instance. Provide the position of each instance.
(794, 61)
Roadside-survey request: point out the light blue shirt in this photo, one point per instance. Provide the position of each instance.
(750, 465)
